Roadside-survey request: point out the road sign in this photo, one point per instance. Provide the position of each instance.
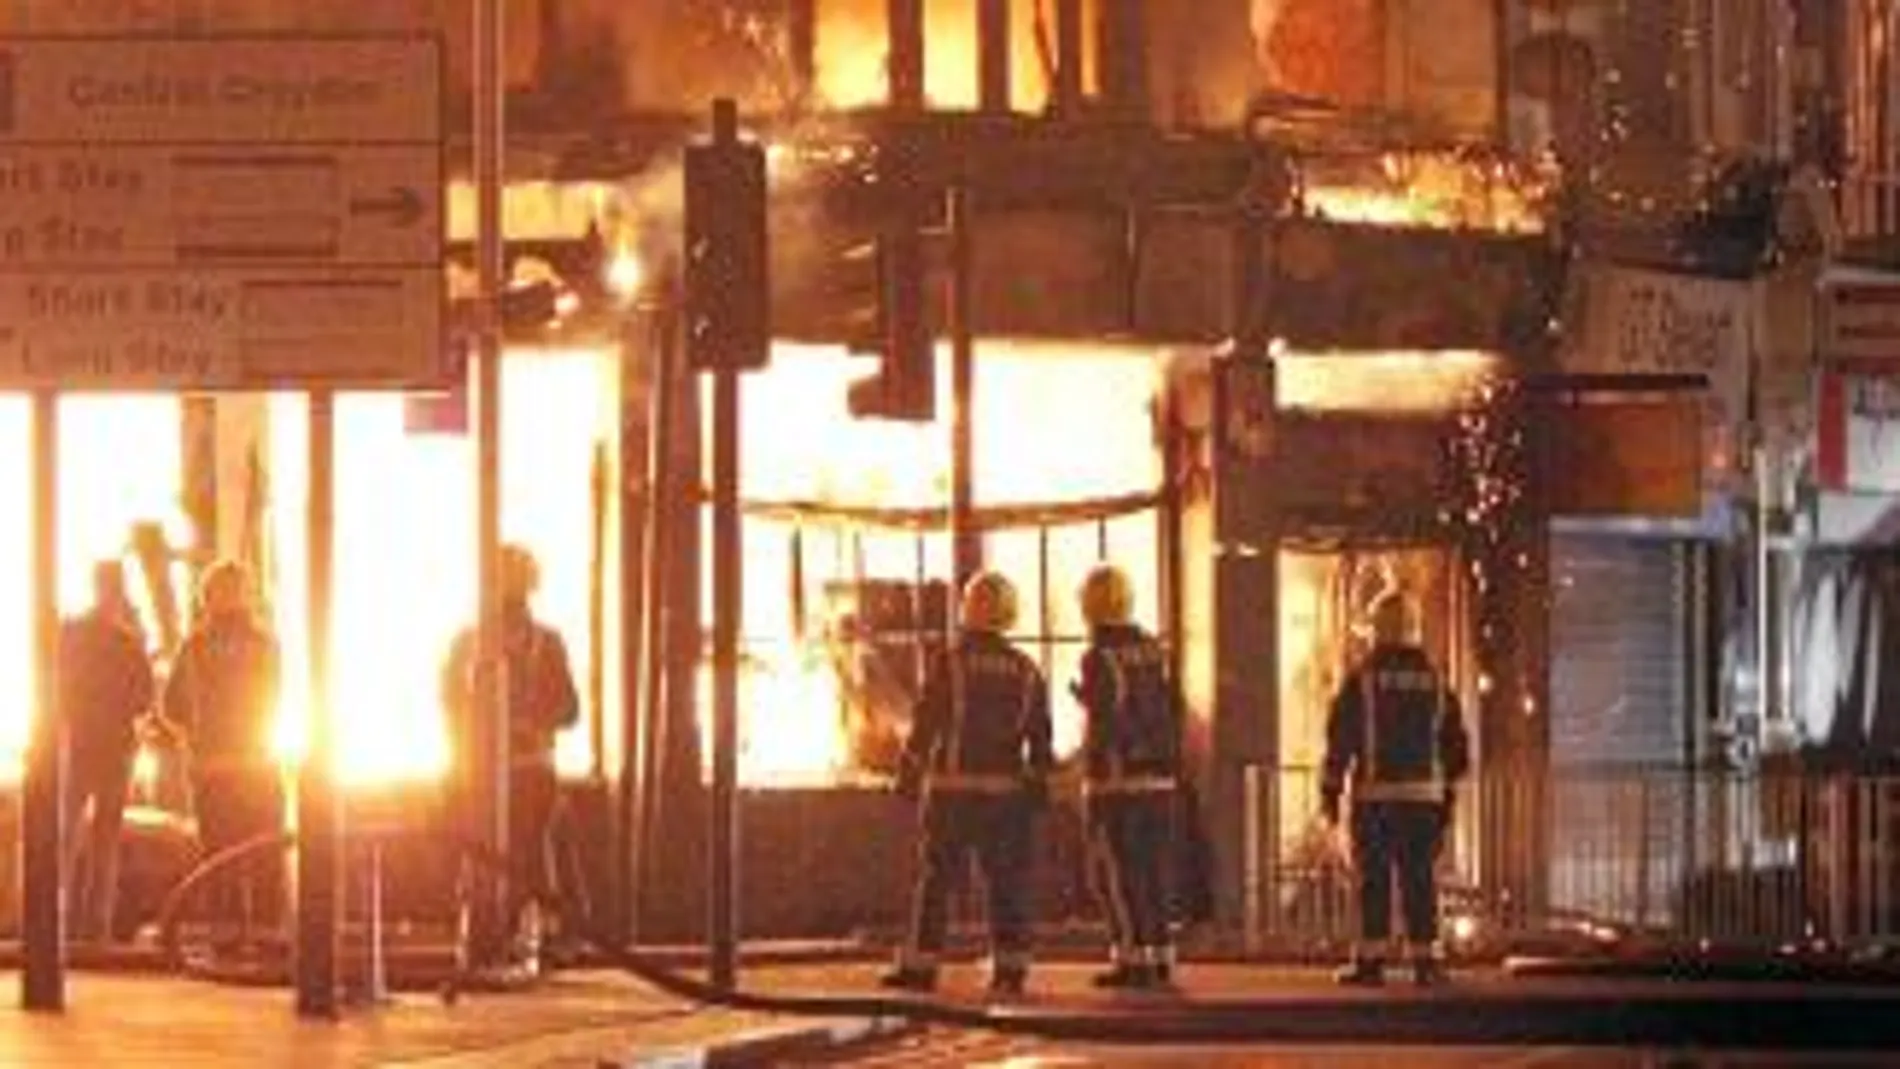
(221, 213)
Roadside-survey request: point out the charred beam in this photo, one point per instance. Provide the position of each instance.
(1068, 89)
(993, 55)
(801, 44)
(906, 56)
(1122, 57)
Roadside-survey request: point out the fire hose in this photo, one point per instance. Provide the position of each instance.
(1129, 1021)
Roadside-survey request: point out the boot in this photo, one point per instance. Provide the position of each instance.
(917, 978)
(1123, 976)
(1363, 972)
(1008, 983)
(1428, 971)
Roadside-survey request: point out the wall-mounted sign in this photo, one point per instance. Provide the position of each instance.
(1637, 322)
(1625, 458)
(1860, 325)
(1857, 434)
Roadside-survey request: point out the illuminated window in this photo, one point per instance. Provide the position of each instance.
(119, 466)
(833, 577)
(405, 554)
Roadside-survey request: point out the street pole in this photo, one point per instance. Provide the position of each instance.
(656, 652)
(966, 543)
(43, 979)
(320, 828)
(728, 604)
(491, 702)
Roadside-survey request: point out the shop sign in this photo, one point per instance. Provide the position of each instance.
(1861, 325)
(1625, 458)
(1640, 322)
(1858, 434)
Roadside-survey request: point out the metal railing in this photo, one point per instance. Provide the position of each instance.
(1666, 853)
(1869, 205)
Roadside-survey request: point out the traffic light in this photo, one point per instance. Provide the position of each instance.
(728, 291)
(905, 386)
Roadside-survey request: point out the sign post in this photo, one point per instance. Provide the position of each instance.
(43, 935)
(215, 213)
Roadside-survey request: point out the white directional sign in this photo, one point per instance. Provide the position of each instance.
(221, 213)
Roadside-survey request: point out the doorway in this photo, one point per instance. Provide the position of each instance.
(1325, 594)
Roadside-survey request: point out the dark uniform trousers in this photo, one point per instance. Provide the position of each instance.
(1134, 837)
(533, 792)
(238, 800)
(1397, 838)
(997, 831)
(101, 777)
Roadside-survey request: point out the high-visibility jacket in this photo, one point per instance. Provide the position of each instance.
(1132, 741)
(1395, 731)
(997, 738)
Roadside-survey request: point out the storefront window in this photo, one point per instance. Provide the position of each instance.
(846, 555)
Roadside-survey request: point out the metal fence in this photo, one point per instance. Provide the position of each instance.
(1667, 853)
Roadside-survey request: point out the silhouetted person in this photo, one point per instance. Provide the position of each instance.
(1395, 732)
(979, 754)
(105, 688)
(542, 701)
(223, 692)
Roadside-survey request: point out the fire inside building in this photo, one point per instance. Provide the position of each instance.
(1273, 351)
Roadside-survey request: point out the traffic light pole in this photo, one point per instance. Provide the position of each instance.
(728, 604)
(490, 730)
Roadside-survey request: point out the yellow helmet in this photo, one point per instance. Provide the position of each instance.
(1107, 596)
(989, 602)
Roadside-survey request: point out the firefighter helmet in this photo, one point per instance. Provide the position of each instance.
(1392, 619)
(1107, 596)
(520, 574)
(989, 602)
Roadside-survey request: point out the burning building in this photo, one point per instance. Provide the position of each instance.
(1264, 353)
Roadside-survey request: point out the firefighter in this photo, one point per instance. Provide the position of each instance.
(105, 689)
(1395, 731)
(1131, 755)
(223, 691)
(979, 755)
(541, 702)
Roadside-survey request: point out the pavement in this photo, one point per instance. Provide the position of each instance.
(573, 1021)
(594, 1019)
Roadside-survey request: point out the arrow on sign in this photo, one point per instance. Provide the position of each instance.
(400, 205)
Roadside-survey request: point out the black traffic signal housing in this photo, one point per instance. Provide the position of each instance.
(905, 384)
(727, 284)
